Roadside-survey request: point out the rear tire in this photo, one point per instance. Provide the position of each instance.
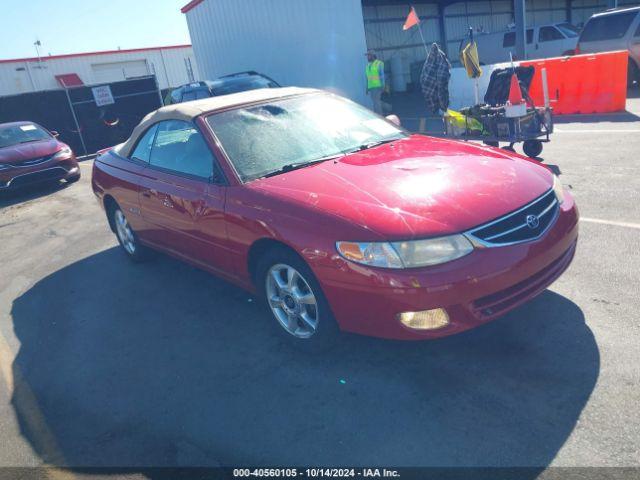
(127, 238)
(297, 306)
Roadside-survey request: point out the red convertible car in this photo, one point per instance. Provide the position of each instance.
(30, 154)
(336, 217)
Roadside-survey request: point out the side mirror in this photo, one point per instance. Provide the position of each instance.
(393, 119)
(55, 134)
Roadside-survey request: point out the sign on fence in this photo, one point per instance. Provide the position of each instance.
(102, 95)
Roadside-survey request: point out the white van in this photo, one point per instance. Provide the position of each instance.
(543, 41)
(616, 29)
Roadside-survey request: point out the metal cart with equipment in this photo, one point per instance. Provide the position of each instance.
(490, 122)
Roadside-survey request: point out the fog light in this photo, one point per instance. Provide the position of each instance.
(425, 320)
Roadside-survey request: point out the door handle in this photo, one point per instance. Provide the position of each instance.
(146, 193)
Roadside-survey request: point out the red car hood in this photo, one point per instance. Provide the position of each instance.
(27, 151)
(417, 187)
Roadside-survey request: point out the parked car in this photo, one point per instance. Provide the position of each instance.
(336, 217)
(543, 41)
(236, 82)
(31, 154)
(617, 29)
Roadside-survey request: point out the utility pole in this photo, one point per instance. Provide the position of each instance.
(521, 26)
(37, 44)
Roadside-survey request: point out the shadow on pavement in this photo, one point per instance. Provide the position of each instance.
(9, 198)
(597, 118)
(160, 364)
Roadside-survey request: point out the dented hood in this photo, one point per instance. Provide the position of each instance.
(416, 187)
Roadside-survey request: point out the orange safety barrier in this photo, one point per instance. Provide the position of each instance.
(590, 83)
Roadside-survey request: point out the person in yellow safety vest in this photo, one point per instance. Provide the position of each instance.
(375, 80)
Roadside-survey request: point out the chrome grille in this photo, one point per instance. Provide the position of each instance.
(524, 225)
(31, 162)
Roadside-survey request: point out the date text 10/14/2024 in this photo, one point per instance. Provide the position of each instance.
(316, 472)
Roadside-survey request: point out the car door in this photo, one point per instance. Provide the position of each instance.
(550, 42)
(127, 192)
(176, 193)
(509, 46)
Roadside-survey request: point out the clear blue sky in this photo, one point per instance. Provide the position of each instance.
(73, 26)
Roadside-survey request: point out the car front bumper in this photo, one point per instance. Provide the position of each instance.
(473, 290)
(21, 177)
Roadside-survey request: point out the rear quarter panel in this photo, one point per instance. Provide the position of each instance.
(119, 178)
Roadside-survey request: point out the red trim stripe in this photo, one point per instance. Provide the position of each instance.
(84, 54)
(191, 5)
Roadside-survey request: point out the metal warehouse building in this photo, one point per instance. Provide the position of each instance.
(172, 65)
(320, 43)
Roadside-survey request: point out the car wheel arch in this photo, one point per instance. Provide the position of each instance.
(260, 247)
(109, 205)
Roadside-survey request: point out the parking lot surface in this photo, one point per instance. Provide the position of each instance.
(108, 363)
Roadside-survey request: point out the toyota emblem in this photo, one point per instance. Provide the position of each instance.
(532, 221)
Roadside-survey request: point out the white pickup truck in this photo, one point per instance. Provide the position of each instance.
(543, 41)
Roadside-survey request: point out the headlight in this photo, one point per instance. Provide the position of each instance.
(409, 254)
(370, 253)
(64, 153)
(558, 190)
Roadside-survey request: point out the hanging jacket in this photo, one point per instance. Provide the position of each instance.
(434, 80)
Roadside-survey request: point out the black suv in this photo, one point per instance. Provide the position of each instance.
(236, 82)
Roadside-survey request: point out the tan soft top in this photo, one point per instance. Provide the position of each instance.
(187, 111)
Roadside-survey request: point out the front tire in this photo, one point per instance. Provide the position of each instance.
(532, 148)
(127, 238)
(295, 300)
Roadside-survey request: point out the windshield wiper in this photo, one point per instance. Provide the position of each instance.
(295, 166)
(367, 146)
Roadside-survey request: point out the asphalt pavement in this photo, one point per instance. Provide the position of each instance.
(107, 363)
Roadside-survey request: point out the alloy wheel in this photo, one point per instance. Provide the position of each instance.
(292, 300)
(124, 232)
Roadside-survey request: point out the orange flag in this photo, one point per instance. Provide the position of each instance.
(412, 20)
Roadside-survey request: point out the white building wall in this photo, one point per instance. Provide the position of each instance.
(306, 43)
(168, 64)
